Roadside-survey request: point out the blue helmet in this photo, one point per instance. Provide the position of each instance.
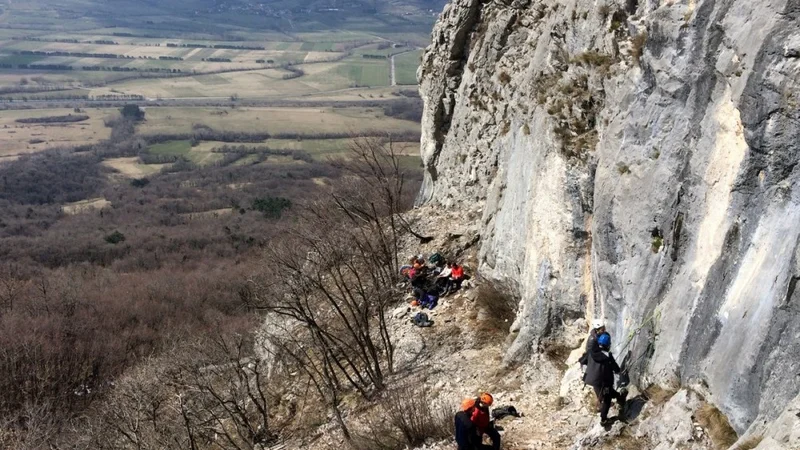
(604, 340)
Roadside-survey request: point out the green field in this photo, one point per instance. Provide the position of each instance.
(383, 48)
(169, 120)
(365, 72)
(406, 66)
(16, 60)
(200, 154)
(171, 148)
(203, 153)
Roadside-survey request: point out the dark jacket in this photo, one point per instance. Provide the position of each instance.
(601, 369)
(466, 432)
(591, 342)
(469, 437)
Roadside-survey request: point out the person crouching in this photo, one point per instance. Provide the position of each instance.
(473, 422)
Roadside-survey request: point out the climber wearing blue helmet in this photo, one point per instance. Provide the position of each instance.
(600, 375)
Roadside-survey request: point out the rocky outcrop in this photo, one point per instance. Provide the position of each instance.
(635, 160)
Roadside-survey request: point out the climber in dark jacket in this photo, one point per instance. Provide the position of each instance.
(473, 421)
(600, 375)
(598, 328)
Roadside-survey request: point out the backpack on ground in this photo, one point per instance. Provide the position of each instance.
(436, 258)
(504, 411)
(421, 320)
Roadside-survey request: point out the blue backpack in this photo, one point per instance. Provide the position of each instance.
(421, 320)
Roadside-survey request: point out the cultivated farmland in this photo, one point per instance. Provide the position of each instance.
(20, 138)
(85, 53)
(303, 121)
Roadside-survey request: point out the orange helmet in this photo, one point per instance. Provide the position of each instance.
(487, 399)
(414, 303)
(467, 403)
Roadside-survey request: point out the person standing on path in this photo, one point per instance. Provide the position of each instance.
(600, 375)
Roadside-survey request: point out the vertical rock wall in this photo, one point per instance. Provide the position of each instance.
(635, 160)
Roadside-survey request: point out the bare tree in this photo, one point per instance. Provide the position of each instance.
(228, 401)
(209, 395)
(12, 286)
(332, 276)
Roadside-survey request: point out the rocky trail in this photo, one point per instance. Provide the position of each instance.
(454, 360)
(630, 160)
(463, 353)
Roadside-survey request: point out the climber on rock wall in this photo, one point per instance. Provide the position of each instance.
(600, 375)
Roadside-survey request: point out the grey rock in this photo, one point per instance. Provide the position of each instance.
(400, 312)
(673, 424)
(646, 172)
(784, 432)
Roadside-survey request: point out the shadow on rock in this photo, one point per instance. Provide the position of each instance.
(633, 408)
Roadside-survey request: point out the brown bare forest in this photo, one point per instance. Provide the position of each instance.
(133, 325)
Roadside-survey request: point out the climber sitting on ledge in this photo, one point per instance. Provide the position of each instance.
(473, 422)
(600, 375)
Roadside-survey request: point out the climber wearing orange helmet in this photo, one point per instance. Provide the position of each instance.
(473, 421)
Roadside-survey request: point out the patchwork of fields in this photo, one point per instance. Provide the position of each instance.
(32, 69)
(88, 51)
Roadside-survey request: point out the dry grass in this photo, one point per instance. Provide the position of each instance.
(85, 206)
(750, 443)
(557, 353)
(589, 400)
(213, 214)
(604, 11)
(502, 378)
(408, 417)
(657, 395)
(504, 77)
(593, 58)
(132, 167)
(448, 332)
(506, 128)
(16, 138)
(716, 425)
(637, 47)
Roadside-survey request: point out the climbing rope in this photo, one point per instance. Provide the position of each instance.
(638, 359)
(654, 317)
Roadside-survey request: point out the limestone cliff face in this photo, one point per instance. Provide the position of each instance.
(635, 160)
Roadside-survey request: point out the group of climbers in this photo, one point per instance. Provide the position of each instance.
(473, 422)
(600, 370)
(433, 279)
